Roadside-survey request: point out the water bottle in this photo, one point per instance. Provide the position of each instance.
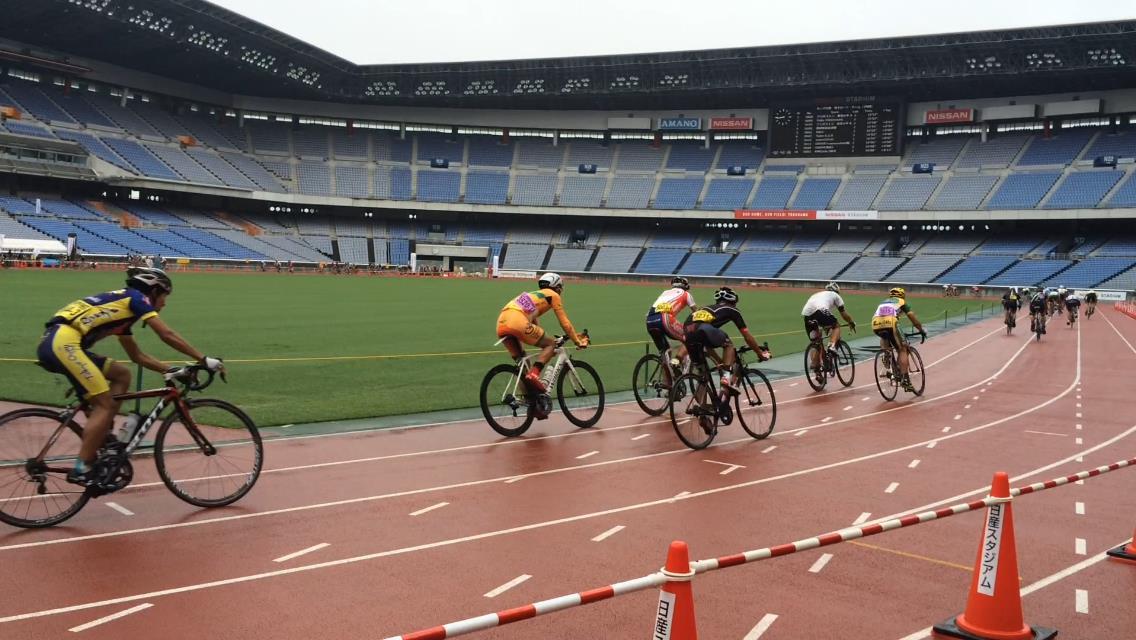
(128, 426)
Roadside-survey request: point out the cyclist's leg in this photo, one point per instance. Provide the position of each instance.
(103, 409)
(812, 330)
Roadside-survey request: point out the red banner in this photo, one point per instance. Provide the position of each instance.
(947, 116)
(757, 214)
(731, 124)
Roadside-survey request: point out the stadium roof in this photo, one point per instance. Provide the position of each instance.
(197, 42)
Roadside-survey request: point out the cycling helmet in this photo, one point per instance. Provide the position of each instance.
(726, 294)
(550, 281)
(147, 279)
(833, 287)
(898, 292)
(680, 282)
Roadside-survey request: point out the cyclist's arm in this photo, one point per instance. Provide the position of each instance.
(915, 321)
(173, 339)
(138, 357)
(847, 318)
(750, 341)
(562, 318)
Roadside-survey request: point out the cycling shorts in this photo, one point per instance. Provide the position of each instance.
(1010, 305)
(1072, 304)
(661, 326)
(512, 323)
(890, 336)
(60, 352)
(817, 319)
(700, 335)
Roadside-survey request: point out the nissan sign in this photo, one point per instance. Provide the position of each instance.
(948, 116)
(731, 124)
(680, 124)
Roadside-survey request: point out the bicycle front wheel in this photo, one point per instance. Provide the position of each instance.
(581, 394)
(693, 415)
(915, 370)
(36, 452)
(211, 457)
(756, 405)
(651, 384)
(815, 371)
(505, 402)
(887, 375)
(845, 363)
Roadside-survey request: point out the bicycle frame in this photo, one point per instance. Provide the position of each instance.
(561, 359)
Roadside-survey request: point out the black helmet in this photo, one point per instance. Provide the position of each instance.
(680, 282)
(726, 294)
(147, 279)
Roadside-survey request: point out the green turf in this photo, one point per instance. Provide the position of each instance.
(261, 316)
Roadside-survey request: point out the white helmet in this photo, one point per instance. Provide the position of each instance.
(833, 287)
(550, 281)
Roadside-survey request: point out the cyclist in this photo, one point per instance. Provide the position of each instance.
(1073, 304)
(703, 330)
(518, 323)
(818, 313)
(1090, 303)
(662, 317)
(1052, 297)
(71, 331)
(1062, 292)
(1037, 309)
(1011, 302)
(885, 324)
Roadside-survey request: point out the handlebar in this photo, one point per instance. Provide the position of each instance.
(189, 376)
(560, 340)
(922, 336)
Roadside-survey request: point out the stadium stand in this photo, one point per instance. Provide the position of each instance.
(690, 157)
(1022, 190)
(613, 259)
(995, 153)
(539, 189)
(871, 268)
(438, 185)
(924, 268)
(566, 259)
(630, 192)
(1061, 149)
(678, 193)
(940, 151)
(758, 264)
(727, 194)
(815, 193)
(582, 191)
(773, 193)
(977, 269)
(859, 192)
(1083, 189)
(483, 187)
(907, 194)
(660, 261)
(705, 264)
(739, 154)
(963, 193)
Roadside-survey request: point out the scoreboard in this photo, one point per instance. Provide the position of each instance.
(856, 126)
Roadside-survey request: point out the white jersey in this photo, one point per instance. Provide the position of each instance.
(1073, 297)
(828, 301)
(672, 301)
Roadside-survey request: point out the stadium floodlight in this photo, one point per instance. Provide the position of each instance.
(529, 86)
(481, 88)
(149, 20)
(576, 84)
(382, 88)
(97, 6)
(1106, 56)
(432, 88)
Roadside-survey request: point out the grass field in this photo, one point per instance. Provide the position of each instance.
(302, 348)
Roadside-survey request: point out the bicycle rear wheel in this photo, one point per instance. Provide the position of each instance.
(693, 415)
(36, 452)
(651, 384)
(756, 405)
(505, 402)
(581, 394)
(815, 371)
(845, 363)
(211, 459)
(915, 370)
(887, 378)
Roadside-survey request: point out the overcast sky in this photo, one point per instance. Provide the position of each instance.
(405, 31)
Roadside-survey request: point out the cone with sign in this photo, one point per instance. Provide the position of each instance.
(1125, 552)
(674, 618)
(994, 604)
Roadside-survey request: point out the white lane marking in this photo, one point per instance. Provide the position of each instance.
(1133, 349)
(931, 444)
(1079, 508)
(946, 429)
(113, 616)
(769, 448)
(286, 426)
(974, 398)
(914, 463)
(514, 479)
(848, 408)
(1080, 458)
(640, 437)
(1080, 482)
(982, 390)
(508, 585)
(1079, 546)
(730, 468)
(1048, 433)
(794, 384)
(119, 508)
(1078, 397)
(826, 419)
(958, 416)
(1079, 415)
(302, 552)
(762, 626)
(892, 487)
(966, 406)
(1081, 601)
(679, 496)
(862, 518)
(586, 455)
(1078, 404)
(429, 508)
(820, 562)
(1079, 441)
(1079, 426)
(609, 533)
(800, 433)
(865, 398)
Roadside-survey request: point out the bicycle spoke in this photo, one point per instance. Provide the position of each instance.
(24, 434)
(209, 480)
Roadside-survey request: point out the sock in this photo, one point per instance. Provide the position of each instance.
(81, 467)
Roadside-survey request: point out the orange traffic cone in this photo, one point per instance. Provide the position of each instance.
(674, 619)
(994, 605)
(1125, 552)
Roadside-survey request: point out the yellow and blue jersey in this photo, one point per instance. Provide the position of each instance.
(104, 314)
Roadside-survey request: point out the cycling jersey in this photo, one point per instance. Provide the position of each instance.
(518, 316)
(1037, 304)
(111, 313)
(823, 301)
(1090, 297)
(672, 301)
(887, 314)
(717, 316)
(662, 319)
(1011, 300)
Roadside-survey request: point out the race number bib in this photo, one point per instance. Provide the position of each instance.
(663, 307)
(73, 310)
(887, 311)
(702, 315)
(525, 303)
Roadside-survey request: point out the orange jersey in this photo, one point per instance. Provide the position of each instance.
(534, 304)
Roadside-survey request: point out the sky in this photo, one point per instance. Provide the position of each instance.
(403, 31)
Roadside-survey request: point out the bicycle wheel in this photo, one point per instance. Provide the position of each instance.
(915, 370)
(504, 401)
(845, 363)
(650, 382)
(817, 378)
(581, 393)
(36, 452)
(756, 405)
(211, 459)
(693, 414)
(887, 381)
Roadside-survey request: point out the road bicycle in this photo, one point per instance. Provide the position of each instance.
(510, 407)
(1037, 324)
(697, 408)
(651, 380)
(842, 365)
(888, 377)
(1010, 318)
(1073, 313)
(208, 452)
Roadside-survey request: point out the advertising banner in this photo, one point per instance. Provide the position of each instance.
(731, 124)
(948, 116)
(762, 214)
(680, 124)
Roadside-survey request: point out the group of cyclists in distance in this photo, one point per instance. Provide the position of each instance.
(71, 332)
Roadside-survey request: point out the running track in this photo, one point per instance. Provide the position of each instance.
(406, 529)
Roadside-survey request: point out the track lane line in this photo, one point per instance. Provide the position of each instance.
(112, 617)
